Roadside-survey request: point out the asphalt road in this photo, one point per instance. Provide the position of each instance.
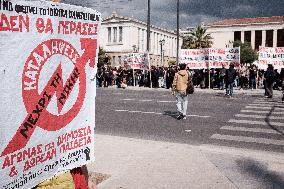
(245, 121)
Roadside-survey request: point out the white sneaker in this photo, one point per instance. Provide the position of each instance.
(184, 117)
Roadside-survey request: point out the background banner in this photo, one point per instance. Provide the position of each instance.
(212, 58)
(269, 55)
(136, 61)
(47, 104)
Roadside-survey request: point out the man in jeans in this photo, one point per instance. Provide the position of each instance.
(179, 90)
(230, 79)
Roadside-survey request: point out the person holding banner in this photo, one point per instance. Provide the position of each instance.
(179, 87)
(230, 77)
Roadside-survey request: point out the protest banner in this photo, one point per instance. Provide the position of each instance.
(269, 55)
(224, 57)
(210, 58)
(48, 57)
(195, 58)
(136, 61)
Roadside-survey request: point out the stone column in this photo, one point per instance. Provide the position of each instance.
(242, 36)
(253, 39)
(274, 38)
(263, 43)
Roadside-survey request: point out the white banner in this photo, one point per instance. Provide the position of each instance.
(47, 104)
(212, 58)
(269, 55)
(195, 58)
(136, 61)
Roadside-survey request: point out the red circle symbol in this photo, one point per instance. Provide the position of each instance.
(35, 102)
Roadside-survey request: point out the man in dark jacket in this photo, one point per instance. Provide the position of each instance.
(269, 78)
(230, 77)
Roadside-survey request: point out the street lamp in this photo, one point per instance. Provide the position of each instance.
(162, 43)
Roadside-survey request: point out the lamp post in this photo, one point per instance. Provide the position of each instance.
(162, 43)
(177, 58)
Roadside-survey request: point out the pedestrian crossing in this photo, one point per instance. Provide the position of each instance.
(260, 123)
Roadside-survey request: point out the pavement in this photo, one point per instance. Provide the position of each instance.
(237, 91)
(131, 163)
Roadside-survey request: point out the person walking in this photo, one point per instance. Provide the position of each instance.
(230, 77)
(269, 77)
(179, 87)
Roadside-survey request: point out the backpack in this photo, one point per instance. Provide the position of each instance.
(270, 75)
(190, 86)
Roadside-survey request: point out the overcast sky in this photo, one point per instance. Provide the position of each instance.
(192, 12)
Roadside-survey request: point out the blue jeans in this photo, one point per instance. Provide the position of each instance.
(252, 83)
(229, 89)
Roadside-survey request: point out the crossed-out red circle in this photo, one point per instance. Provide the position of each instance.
(47, 120)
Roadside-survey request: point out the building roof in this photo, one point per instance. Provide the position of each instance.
(117, 18)
(248, 21)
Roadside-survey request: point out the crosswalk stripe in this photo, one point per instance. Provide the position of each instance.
(250, 122)
(268, 105)
(248, 139)
(254, 130)
(265, 108)
(259, 116)
(262, 112)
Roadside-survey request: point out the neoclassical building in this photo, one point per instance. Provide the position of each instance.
(261, 31)
(120, 35)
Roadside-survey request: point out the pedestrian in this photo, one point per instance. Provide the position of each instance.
(269, 77)
(230, 77)
(179, 87)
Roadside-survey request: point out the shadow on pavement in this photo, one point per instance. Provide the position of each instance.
(267, 120)
(171, 114)
(260, 173)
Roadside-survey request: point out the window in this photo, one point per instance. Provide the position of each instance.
(237, 36)
(120, 34)
(280, 38)
(115, 34)
(119, 60)
(109, 34)
(258, 39)
(248, 36)
(269, 38)
(113, 60)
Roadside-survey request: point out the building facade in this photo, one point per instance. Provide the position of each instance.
(121, 35)
(261, 31)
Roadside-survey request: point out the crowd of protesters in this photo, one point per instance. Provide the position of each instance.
(247, 77)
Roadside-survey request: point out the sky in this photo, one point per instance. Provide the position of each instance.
(192, 12)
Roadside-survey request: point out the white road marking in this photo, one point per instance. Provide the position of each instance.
(128, 99)
(157, 113)
(262, 112)
(256, 122)
(254, 130)
(248, 139)
(267, 105)
(145, 100)
(264, 108)
(165, 101)
(259, 116)
(188, 131)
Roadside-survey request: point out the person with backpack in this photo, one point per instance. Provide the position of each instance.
(230, 77)
(179, 89)
(269, 78)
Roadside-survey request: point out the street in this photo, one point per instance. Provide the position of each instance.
(245, 121)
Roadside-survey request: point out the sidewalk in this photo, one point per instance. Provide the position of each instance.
(142, 164)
